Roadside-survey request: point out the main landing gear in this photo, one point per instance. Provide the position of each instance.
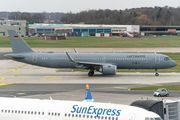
(91, 73)
(156, 74)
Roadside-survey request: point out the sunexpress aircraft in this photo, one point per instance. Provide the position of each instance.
(107, 63)
(34, 109)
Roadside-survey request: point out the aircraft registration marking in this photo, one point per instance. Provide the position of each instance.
(7, 83)
(49, 78)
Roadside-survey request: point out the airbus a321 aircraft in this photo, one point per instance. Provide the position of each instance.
(107, 63)
(34, 109)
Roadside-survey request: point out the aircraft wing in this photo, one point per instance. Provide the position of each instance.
(85, 63)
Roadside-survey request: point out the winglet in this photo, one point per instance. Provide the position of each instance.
(70, 58)
(75, 50)
(88, 97)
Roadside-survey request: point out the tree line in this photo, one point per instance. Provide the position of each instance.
(135, 16)
(32, 17)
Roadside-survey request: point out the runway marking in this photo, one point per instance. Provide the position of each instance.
(4, 74)
(18, 69)
(57, 69)
(155, 85)
(1, 78)
(77, 71)
(20, 76)
(137, 72)
(20, 93)
(173, 72)
(7, 83)
(22, 65)
(49, 78)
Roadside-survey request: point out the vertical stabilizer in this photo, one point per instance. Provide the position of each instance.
(88, 97)
(17, 43)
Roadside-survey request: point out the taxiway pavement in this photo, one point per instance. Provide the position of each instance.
(23, 80)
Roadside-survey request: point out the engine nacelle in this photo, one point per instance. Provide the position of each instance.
(109, 69)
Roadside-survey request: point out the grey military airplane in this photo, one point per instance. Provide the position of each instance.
(106, 63)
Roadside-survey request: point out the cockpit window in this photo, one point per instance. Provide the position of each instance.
(166, 58)
(157, 118)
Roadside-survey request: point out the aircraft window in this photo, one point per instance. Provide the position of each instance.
(112, 118)
(58, 114)
(5, 111)
(49, 113)
(28, 112)
(8, 111)
(65, 115)
(102, 117)
(39, 113)
(42, 113)
(116, 118)
(151, 118)
(12, 111)
(146, 118)
(95, 116)
(166, 58)
(55, 114)
(16, 111)
(72, 115)
(109, 118)
(87, 116)
(24, 112)
(2, 111)
(91, 116)
(157, 118)
(79, 116)
(83, 116)
(98, 117)
(69, 115)
(35, 113)
(52, 114)
(76, 115)
(21, 112)
(105, 118)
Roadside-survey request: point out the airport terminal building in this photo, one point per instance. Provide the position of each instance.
(81, 28)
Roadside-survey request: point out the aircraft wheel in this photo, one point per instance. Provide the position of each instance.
(159, 95)
(91, 73)
(157, 74)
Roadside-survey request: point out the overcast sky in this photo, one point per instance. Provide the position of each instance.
(80, 5)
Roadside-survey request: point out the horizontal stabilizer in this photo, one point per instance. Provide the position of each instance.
(10, 56)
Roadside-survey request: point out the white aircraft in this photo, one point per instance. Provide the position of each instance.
(34, 109)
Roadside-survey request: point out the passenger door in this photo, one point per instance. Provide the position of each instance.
(157, 59)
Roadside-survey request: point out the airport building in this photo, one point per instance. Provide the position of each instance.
(21, 26)
(82, 28)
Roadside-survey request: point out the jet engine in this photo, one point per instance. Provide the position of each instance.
(108, 69)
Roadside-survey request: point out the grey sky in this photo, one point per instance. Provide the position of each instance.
(80, 5)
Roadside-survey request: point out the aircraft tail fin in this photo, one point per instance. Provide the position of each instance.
(17, 43)
(88, 97)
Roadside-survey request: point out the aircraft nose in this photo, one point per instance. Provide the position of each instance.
(174, 63)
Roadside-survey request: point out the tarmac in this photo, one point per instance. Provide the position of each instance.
(27, 81)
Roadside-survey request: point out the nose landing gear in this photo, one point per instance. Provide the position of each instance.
(156, 74)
